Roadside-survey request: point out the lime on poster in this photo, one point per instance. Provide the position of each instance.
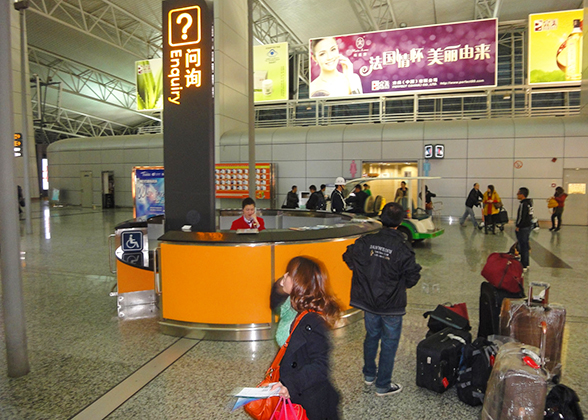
(555, 47)
(270, 75)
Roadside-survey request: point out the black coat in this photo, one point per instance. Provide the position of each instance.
(475, 197)
(305, 369)
(291, 200)
(384, 266)
(337, 202)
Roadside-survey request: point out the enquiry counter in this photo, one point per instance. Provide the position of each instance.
(216, 285)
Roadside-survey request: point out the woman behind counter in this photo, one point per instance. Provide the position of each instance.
(304, 371)
(249, 220)
(330, 81)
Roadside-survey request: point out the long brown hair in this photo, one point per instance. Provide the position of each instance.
(558, 191)
(309, 289)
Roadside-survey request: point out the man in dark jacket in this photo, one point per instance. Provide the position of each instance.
(474, 199)
(292, 198)
(357, 199)
(337, 200)
(384, 266)
(316, 201)
(524, 224)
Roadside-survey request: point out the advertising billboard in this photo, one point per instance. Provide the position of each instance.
(555, 47)
(436, 57)
(270, 74)
(232, 180)
(149, 82)
(148, 191)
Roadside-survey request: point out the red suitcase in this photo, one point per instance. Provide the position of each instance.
(521, 319)
(504, 271)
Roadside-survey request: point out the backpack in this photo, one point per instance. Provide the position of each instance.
(562, 403)
(475, 366)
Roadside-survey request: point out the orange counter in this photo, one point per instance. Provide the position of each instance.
(217, 285)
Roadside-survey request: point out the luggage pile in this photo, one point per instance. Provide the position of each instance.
(516, 356)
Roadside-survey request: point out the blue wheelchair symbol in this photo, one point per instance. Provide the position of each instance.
(132, 241)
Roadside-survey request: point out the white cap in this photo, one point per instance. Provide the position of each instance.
(340, 181)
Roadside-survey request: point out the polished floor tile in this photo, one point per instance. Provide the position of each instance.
(79, 349)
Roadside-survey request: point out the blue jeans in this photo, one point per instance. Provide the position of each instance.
(387, 329)
(523, 238)
(468, 212)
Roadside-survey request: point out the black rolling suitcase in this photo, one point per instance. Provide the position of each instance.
(438, 359)
(490, 304)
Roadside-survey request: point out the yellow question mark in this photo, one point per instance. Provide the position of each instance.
(189, 22)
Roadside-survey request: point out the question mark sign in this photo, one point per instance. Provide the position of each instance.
(189, 22)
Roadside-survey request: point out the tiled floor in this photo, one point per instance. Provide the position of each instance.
(79, 349)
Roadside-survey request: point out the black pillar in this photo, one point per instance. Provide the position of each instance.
(188, 115)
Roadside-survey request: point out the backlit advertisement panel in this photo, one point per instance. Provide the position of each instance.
(270, 76)
(149, 82)
(148, 191)
(555, 47)
(436, 57)
(232, 180)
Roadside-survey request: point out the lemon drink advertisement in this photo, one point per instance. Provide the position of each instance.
(555, 47)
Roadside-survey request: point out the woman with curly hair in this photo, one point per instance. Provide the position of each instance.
(304, 370)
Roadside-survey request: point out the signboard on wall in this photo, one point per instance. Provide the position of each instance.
(555, 47)
(232, 180)
(436, 57)
(270, 76)
(148, 191)
(149, 82)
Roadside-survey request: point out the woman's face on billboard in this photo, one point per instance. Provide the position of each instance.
(326, 54)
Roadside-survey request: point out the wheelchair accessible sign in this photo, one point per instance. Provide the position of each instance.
(132, 241)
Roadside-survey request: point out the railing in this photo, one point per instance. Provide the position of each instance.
(501, 102)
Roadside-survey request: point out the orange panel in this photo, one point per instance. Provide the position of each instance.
(216, 284)
(331, 254)
(132, 279)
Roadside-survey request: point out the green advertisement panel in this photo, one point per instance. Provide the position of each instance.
(270, 76)
(555, 47)
(149, 80)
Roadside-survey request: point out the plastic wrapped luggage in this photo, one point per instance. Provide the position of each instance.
(517, 386)
(504, 271)
(490, 304)
(438, 359)
(520, 319)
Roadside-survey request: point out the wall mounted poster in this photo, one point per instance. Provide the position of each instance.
(149, 82)
(270, 75)
(437, 57)
(555, 47)
(232, 180)
(148, 191)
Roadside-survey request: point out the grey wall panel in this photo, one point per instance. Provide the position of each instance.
(491, 129)
(446, 130)
(229, 153)
(539, 127)
(262, 136)
(539, 147)
(454, 149)
(448, 189)
(539, 168)
(329, 169)
(576, 147)
(290, 135)
(291, 169)
(288, 152)
(141, 156)
(232, 137)
(324, 151)
(363, 150)
(333, 134)
(363, 132)
(575, 126)
(112, 156)
(91, 156)
(70, 157)
(402, 150)
(488, 147)
(449, 168)
(575, 163)
(156, 141)
(346, 172)
(503, 187)
(263, 153)
(490, 168)
(403, 131)
(156, 156)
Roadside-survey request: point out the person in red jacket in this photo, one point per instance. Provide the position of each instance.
(560, 197)
(249, 220)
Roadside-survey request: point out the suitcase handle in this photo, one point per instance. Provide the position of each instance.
(544, 300)
(543, 341)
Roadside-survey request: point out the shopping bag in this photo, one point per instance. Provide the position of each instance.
(285, 410)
